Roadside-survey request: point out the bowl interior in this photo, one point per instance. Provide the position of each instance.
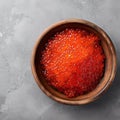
(109, 66)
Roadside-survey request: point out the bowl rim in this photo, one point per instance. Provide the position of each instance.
(96, 28)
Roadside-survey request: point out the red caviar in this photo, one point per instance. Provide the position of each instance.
(73, 61)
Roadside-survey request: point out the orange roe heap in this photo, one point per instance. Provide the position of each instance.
(73, 62)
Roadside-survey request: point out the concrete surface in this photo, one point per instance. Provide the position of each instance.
(21, 22)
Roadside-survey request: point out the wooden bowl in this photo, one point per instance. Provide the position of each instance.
(110, 63)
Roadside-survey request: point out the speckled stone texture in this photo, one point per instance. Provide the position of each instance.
(21, 22)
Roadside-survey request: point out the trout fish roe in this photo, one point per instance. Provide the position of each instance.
(73, 61)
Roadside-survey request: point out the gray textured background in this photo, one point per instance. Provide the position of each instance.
(21, 22)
